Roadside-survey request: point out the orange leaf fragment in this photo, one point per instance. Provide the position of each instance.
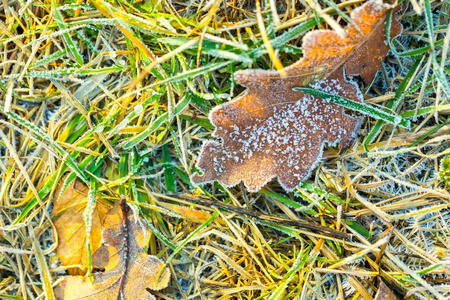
(71, 228)
(128, 270)
(194, 215)
(273, 131)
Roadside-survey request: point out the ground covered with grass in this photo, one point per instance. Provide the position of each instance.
(116, 95)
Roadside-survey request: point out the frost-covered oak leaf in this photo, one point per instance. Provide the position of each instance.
(127, 270)
(273, 131)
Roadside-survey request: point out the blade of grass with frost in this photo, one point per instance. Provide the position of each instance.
(156, 124)
(182, 175)
(358, 228)
(192, 73)
(66, 183)
(299, 263)
(436, 67)
(342, 14)
(188, 238)
(418, 51)
(42, 266)
(430, 269)
(285, 200)
(314, 200)
(71, 45)
(5, 88)
(425, 110)
(48, 59)
(163, 210)
(210, 48)
(111, 11)
(10, 297)
(159, 220)
(363, 108)
(281, 228)
(75, 6)
(268, 20)
(201, 122)
(65, 72)
(137, 111)
(43, 136)
(176, 140)
(207, 44)
(181, 20)
(313, 189)
(229, 55)
(140, 163)
(132, 58)
(392, 104)
(87, 42)
(43, 192)
(49, 35)
(72, 25)
(123, 172)
(96, 129)
(436, 128)
(391, 42)
(87, 218)
(161, 236)
(284, 38)
(392, 153)
(416, 87)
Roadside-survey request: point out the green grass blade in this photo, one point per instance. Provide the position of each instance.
(48, 59)
(71, 45)
(66, 72)
(425, 110)
(193, 73)
(299, 263)
(436, 128)
(392, 104)
(189, 237)
(156, 124)
(169, 177)
(365, 109)
(285, 200)
(436, 67)
(137, 111)
(149, 24)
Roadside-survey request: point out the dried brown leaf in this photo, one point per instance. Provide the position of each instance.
(384, 292)
(128, 270)
(273, 131)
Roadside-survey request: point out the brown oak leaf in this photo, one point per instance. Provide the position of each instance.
(128, 270)
(273, 131)
(70, 226)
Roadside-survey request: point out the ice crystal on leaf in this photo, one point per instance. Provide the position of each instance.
(273, 131)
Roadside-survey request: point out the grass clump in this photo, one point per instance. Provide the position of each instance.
(116, 95)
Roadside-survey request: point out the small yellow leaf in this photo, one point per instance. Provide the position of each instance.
(71, 229)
